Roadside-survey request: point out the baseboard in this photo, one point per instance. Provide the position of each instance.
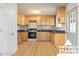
(10, 53)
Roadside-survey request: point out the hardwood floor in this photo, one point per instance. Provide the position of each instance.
(36, 49)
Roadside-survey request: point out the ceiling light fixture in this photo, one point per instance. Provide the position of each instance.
(36, 11)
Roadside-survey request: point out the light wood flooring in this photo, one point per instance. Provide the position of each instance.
(36, 49)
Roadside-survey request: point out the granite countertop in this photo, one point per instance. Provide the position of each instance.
(22, 31)
(55, 31)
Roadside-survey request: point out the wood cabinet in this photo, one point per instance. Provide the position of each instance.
(19, 37)
(26, 20)
(47, 37)
(38, 19)
(41, 20)
(38, 36)
(52, 36)
(59, 39)
(51, 20)
(47, 18)
(22, 36)
(21, 20)
(60, 17)
(43, 36)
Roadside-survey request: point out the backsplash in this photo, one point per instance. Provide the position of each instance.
(45, 27)
(39, 27)
(60, 27)
(22, 27)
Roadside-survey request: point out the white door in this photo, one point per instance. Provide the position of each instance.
(8, 41)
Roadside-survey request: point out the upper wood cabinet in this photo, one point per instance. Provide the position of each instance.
(26, 20)
(51, 20)
(61, 15)
(38, 19)
(18, 19)
(21, 19)
(47, 18)
(41, 20)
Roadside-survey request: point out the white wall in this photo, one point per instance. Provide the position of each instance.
(8, 29)
(70, 6)
(78, 27)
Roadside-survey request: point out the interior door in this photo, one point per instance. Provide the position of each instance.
(8, 29)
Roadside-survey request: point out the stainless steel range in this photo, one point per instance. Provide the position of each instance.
(32, 31)
(32, 35)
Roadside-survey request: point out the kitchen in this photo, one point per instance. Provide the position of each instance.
(38, 29)
(41, 26)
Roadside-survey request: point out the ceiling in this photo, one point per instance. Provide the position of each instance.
(39, 8)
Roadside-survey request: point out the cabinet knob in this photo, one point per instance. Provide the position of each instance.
(12, 33)
(1, 30)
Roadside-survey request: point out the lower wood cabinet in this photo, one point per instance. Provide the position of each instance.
(52, 36)
(43, 36)
(22, 36)
(19, 37)
(59, 39)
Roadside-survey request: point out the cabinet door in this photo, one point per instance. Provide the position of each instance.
(47, 36)
(23, 20)
(19, 37)
(38, 36)
(51, 20)
(47, 20)
(52, 37)
(59, 39)
(24, 36)
(38, 19)
(43, 20)
(26, 20)
(18, 19)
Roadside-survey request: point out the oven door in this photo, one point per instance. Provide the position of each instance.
(32, 35)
